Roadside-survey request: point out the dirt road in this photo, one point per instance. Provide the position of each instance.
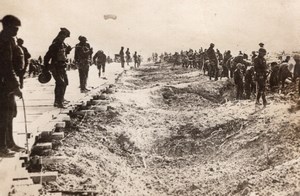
(171, 131)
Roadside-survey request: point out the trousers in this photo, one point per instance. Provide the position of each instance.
(61, 82)
(8, 110)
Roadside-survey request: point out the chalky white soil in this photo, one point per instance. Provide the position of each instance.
(171, 131)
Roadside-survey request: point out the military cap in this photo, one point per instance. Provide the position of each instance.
(65, 31)
(10, 20)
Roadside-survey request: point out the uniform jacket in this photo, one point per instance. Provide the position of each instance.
(260, 66)
(8, 78)
(57, 53)
(82, 52)
(99, 58)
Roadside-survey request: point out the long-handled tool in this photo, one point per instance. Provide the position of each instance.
(26, 131)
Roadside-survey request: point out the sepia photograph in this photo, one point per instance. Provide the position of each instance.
(150, 97)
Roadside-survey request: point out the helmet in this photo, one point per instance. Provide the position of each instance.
(44, 77)
(10, 20)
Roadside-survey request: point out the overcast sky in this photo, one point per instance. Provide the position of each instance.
(160, 25)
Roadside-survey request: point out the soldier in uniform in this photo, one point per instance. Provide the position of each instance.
(57, 53)
(213, 67)
(83, 53)
(249, 82)
(238, 80)
(260, 67)
(9, 85)
(135, 59)
(122, 58)
(26, 60)
(128, 57)
(99, 59)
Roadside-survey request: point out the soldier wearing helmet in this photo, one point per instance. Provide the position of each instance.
(260, 67)
(26, 58)
(57, 53)
(213, 62)
(99, 59)
(83, 53)
(9, 85)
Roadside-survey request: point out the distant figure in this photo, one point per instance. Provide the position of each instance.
(253, 56)
(213, 62)
(99, 59)
(9, 85)
(122, 58)
(297, 70)
(238, 80)
(128, 57)
(57, 53)
(83, 53)
(260, 67)
(135, 59)
(26, 60)
(249, 86)
(139, 60)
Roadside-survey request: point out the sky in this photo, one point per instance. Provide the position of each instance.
(148, 26)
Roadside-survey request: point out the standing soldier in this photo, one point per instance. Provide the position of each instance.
(253, 56)
(83, 53)
(128, 56)
(99, 59)
(122, 58)
(260, 67)
(213, 61)
(57, 53)
(249, 82)
(26, 60)
(9, 85)
(238, 80)
(135, 59)
(297, 70)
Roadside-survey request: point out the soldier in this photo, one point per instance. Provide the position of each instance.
(122, 58)
(128, 57)
(26, 60)
(249, 82)
(238, 80)
(213, 67)
(57, 53)
(9, 85)
(297, 70)
(260, 67)
(99, 59)
(82, 56)
(135, 59)
(274, 77)
(227, 56)
(253, 56)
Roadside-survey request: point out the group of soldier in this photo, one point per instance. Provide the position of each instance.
(250, 76)
(136, 58)
(14, 60)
